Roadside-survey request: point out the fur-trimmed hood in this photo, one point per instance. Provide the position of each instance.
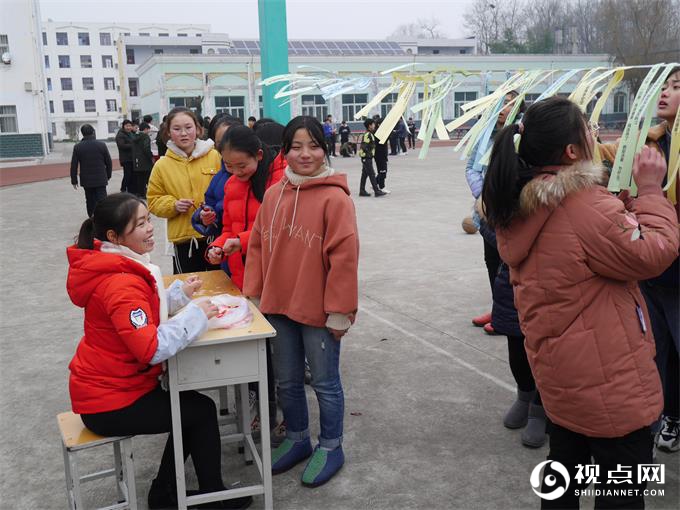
(540, 197)
(553, 184)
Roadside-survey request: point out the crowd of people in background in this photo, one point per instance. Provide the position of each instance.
(566, 262)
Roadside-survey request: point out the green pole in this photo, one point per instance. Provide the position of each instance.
(273, 55)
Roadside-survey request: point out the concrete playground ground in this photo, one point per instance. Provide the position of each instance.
(425, 390)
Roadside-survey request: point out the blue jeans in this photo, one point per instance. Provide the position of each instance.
(662, 304)
(294, 342)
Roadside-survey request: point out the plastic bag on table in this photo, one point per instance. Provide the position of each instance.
(234, 312)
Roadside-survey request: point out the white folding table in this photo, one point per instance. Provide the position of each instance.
(224, 358)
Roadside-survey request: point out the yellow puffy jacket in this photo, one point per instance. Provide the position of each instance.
(176, 176)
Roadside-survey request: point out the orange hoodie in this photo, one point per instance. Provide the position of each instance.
(303, 252)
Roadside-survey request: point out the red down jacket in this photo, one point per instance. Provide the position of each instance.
(240, 211)
(110, 369)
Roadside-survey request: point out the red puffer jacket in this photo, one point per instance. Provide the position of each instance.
(110, 369)
(240, 210)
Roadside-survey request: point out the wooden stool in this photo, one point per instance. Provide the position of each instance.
(76, 437)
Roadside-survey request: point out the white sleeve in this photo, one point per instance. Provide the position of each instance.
(176, 297)
(179, 331)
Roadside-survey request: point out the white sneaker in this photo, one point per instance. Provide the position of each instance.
(668, 439)
(385, 190)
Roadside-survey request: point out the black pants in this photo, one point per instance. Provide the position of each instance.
(402, 144)
(330, 143)
(367, 172)
(394, 145)
(151, 414)
(183, 263)
(492, 260)
(126, 185)
(411, 141)
(519, 366)
(570, 449)
(93, 196)
(382, 173)
(662, 304)
(140, 181)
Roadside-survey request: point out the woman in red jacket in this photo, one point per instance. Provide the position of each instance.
(114, 383)
(255, 168)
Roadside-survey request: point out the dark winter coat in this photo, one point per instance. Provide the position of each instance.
(124, 143)
(141, 151)
(344, 131)
(95, 163)
(504, 318)
(214, 198)
(380, 156)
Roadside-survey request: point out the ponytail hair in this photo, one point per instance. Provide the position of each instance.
(547, 128)
(85, 239)
(115, 212)
(244, 139)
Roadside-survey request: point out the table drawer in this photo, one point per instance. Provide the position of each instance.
(223, 361)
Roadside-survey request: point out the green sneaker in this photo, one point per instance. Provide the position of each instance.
(322, 466)
(290, 453)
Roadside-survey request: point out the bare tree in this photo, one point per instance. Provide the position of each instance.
(492, 21)
(423, 28)
(639, 32)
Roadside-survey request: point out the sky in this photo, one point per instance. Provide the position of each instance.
(352, 19)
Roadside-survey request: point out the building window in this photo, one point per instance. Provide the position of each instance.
(260, 102)
(163, 35)
(88, 83)
(435, 52)
(54, 129)
(530, 98)
(111, 105)
(193, 51)
(104, 39)
(47, 61)
(44, 35)
(113, 126)
(233, 105)
(66, 84)
(459, 99)
(386, 104)
(62, 39)
(8, 119)
(314, 106)
(130, 53)
(199, 35)
(144, 34)
(51, 106)
(68, 105)
(107, 61)
(86, 61)
(352, 103)
(49, 83)
(126, 34)
(83, 38)
(132, 86)
(158, 51)
(90, 105)
(182, 35)
(64, 61)
(109, 84)
(462, 52)
(4, 44)
(620, 102)
(193, 103)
